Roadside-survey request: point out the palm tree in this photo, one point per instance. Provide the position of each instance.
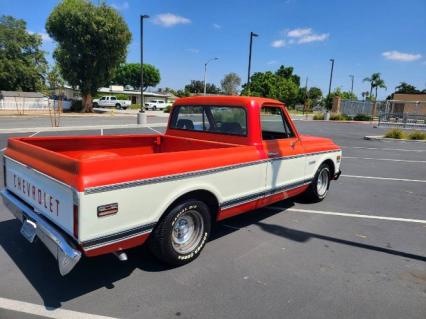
(379, 84)
(375, 82)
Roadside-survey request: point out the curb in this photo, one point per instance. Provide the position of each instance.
(382, 138)
(79, 128)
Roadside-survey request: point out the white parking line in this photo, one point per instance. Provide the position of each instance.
(3, 149)
(384, 149)
(386, 178)
(34, 134)
(155, 130)
(33, 309)
(383, 159)
(320, 212)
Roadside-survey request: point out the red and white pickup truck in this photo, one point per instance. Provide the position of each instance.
(220, 157)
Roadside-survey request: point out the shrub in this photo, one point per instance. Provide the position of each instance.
(362, 117)
(168, 108)
(76, 106)
(340, 117)
(318, 116)
(395, 133)
(135, 106)
(417, 135)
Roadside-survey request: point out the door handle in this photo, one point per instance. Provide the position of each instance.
(273, 154)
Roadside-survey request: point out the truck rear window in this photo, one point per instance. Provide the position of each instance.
(210, 119)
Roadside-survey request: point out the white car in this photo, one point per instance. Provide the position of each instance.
(155, 105)
(111, 101)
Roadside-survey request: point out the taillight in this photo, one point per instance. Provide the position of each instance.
(75, 224)
(108, 209)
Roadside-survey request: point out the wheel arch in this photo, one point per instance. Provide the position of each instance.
(329, 162)
(203, 194)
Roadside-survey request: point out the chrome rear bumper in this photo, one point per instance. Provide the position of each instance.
(62, 248)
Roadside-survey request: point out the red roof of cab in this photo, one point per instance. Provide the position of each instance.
(227, 100)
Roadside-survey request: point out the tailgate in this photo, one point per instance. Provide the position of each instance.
(47, 196)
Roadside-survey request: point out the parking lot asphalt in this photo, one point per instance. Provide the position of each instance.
(361, 253)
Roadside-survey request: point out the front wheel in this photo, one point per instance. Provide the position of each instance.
(318, 189)
(118, 106)
(180, 236)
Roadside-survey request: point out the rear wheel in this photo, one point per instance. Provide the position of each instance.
(95, 104)
(180, 236)
(318, 189)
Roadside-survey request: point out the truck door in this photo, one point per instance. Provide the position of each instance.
(286, 166)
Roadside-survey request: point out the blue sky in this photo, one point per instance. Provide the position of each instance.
(363, 37)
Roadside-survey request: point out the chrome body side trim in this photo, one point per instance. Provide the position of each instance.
(168, 178)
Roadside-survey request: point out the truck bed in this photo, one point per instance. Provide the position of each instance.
(90, 161)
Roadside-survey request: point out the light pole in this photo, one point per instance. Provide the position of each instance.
(352, 83)
(205, 72)
(141, 114)
(331, 76)
(252, 34)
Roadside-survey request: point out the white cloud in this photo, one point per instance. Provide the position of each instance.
(299, 32)
(313, 38)
(121, 6)
(170, 20)
(271, 62)
(217, 26)
(193, 50)
(400, 56)
(44, 36)
(278, 43)
(305, 35)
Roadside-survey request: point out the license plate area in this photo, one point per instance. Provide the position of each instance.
(28, 230)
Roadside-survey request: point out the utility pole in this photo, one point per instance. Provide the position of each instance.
(331, 76)
(141, 114)
(205, 73)
(252, 34)
(352, 83)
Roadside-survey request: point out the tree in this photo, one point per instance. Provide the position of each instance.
(197, 86)
(406, 88)
(130, 74)
(230, 83)
(376, 82)
(287, 73)
(54, 78)
(315, 94)
(92, 42)
(268, 84)
(23, 65)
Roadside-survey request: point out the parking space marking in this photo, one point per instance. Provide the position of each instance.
(384, 149)
(34, 134)
(156, 131)
(386, 178)
(2, 149)
(320, 212)
(383, 159)
(38, 310)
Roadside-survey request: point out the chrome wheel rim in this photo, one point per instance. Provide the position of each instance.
(322, 182)
(187, 232)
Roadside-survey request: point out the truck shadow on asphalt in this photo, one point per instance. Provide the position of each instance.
(41, 270)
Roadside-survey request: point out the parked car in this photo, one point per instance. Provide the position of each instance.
(111, 101)
(220, 157)
(155, 105)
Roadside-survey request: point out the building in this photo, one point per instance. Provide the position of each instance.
(12, 100)
(408, 103)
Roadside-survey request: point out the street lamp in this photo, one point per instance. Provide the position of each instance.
(205, 72)
(331, 76)
(141, 114)
(352, 83)
(252, 34)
